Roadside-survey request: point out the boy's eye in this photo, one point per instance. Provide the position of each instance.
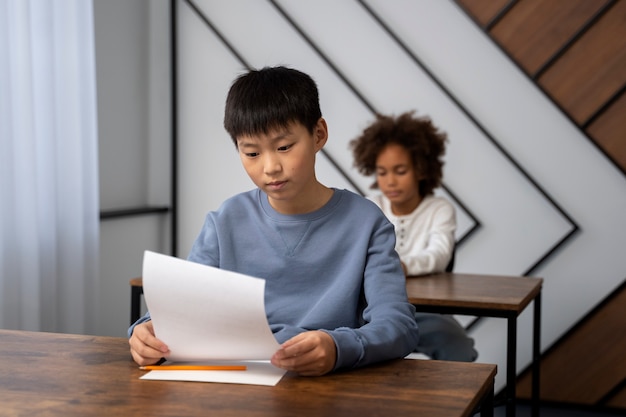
(251, 154)
(284, 148)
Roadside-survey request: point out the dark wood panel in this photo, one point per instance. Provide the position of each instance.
(590, 362)
(593, 69)
(483, 10)
(609, 131)
(534, 30)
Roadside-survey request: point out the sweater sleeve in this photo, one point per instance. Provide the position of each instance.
(389, 330)
(438, 226)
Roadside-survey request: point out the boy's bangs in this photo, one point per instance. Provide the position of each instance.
(262, 119)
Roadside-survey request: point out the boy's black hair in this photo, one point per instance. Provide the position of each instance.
(271, 98)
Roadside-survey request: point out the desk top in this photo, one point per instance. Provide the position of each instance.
(49, 374)
(471, 291)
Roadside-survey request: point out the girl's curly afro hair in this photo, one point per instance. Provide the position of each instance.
(425, 143)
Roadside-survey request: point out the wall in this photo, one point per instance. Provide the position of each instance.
(575, 52)
(133, 81)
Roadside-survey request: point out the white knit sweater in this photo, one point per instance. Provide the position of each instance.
(425, 238)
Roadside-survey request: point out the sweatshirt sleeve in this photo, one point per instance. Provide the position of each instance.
(438, 225)
(389, 330)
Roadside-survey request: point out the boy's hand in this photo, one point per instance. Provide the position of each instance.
(145, 347)
(310, 353)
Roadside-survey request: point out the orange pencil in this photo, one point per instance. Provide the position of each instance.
(194, 368)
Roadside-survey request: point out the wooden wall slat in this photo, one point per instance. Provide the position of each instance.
(483, 10)
(609, 131)
(590, 364)
(593, 69)
(534, 30)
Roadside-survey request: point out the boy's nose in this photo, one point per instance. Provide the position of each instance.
(271, 164)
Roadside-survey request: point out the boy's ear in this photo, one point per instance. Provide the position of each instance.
(320, 134)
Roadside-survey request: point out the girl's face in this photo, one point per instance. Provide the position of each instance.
(397, 179)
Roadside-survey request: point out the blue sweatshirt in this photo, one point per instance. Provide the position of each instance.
(334, 269)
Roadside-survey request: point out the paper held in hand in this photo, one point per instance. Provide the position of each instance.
(207, 315)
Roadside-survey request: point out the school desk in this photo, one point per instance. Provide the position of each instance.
(51, 374)
(486, 296)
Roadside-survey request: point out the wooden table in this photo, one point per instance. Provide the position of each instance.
(49, 374)
(486, 296)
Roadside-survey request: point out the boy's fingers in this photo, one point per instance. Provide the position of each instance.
(145, 348)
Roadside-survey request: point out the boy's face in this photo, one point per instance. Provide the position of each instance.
(282, 163)
(396, 178)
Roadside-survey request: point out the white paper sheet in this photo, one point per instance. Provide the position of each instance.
(207, 315)
(257, 373)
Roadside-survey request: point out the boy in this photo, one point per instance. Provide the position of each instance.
(405, 154)
(335, 295)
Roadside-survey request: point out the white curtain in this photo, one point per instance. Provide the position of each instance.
(48, 166)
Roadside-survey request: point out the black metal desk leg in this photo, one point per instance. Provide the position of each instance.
(536, 356)
(486, 408)
(511, 359)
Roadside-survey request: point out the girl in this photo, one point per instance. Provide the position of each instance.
(405, 154)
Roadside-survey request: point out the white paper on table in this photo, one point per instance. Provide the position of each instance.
(257, 373)
(206, 314)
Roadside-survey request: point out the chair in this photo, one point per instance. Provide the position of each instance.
(450, 265)
(136, 291)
